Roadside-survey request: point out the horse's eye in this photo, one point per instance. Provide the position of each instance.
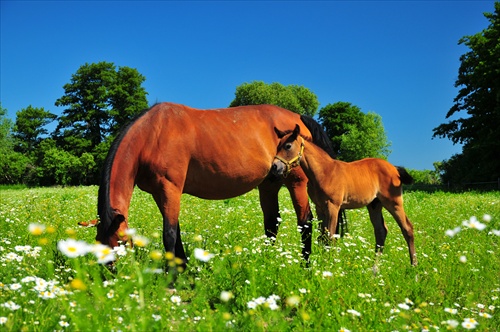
(288, 146)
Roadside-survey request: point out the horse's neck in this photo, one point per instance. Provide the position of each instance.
(316, 163)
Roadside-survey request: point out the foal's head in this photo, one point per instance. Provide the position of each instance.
(290, 150)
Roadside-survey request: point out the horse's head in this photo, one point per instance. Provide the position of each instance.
(290, 150)
(114, 233)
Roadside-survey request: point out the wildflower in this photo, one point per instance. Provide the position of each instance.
(120, 250)
(451, 323)
(474, 223)
(198, 238)
(404, 306)
(293, 300)
(251, 304)
(156, 255)
(487, 218)
(462, 259)
(103, 253)
(140, 241)
(225, 296)
(495, 232)
(485, 315)
(36, 229)
(110, 294)
(11, 305)
(3, 320)
(156, 317)
(343, 329)
(302, 290)
(354, 312)
(15, 286)
(63, 323)
(469, 323)
(327, 274)
(73, 248)
(202, 255)
(452, 232)
(176, 299)
(451, 311)
(78, 284)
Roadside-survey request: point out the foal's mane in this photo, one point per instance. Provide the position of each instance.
(104, 210)
(319, 136)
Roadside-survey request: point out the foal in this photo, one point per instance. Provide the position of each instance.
(335, 184)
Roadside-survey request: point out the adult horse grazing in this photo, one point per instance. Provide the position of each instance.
(172, 149)
(335, 184)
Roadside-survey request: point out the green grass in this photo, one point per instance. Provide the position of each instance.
(42, 290)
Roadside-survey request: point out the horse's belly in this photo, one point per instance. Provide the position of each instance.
(208, 185)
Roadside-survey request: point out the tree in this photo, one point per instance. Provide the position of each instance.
(354, 135)
(295, 98)
(368, 139)
(29, 127)
(99, 100)
(479, 97)
(12, 163)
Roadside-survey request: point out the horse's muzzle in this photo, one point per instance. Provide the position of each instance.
(278, 168)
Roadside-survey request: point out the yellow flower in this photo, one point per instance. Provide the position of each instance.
(36, 229)
(78, 284)
(155, 255)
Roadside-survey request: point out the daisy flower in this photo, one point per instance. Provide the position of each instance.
(202, 255)
(73, 248)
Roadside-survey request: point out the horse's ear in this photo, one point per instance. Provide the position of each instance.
(280, 133)
(296, 131)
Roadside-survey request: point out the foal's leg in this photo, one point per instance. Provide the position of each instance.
(395, 207)
(379, 226)
(296, 183)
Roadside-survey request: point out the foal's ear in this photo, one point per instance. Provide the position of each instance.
(296, 131)
(280, 133)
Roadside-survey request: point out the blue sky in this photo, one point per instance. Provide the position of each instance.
(399, 59)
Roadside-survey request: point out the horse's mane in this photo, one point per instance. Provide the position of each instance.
(319, 136)
(104, 210)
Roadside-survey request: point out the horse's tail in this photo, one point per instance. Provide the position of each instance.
(319, 136)
(405, 177)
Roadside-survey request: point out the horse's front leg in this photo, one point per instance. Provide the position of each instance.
(168, 201)
(296, 183)
(268, 195)
(332, 220)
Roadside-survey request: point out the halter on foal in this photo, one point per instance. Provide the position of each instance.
(335, 185)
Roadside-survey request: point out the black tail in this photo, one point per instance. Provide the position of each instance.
(405, 177)
(320, 138)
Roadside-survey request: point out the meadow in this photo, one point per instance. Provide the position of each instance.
(236, 279)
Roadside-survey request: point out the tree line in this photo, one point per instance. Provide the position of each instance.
(101, 98)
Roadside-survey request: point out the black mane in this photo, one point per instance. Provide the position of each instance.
(320, 138)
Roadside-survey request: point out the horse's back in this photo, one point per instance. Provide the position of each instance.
(207, 152)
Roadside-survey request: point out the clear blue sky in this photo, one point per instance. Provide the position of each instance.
(399, 59)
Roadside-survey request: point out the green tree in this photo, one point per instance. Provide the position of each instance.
(368, 139)
(12, 164)
(354, 134)
(295, 98)
(30, 127)
(99, 100)
(478, 97)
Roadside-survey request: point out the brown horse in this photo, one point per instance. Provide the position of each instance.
(335, 184)
(172, 149)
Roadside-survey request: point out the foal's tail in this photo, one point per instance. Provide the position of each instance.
(405, 177)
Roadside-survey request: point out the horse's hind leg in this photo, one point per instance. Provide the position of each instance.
(395, 207)
(379, 226)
